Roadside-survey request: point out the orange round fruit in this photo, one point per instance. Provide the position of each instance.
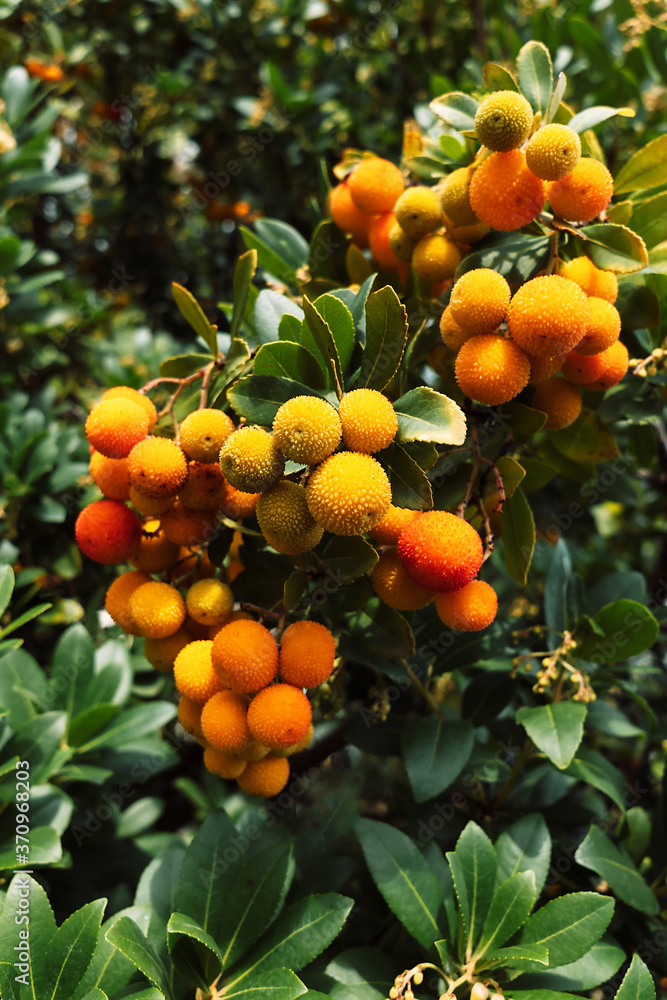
(209, 601)
(307, 653)
(504, 193)
(189, 528)
(306, 429)
(440, 551)
(388, 531)
(115, 426)
(393, 584)
(347, 216)
(553, 152)
(189, 712)
(378, 239)
(582, 270)
(156, 553)
(279, 716)
(452, 333)
(250, 460)
(491, 369)
(454, 198)
(548, 315)
(205, 486)
(126, 392)
(285, 520)
(435, 258)
(225, 765)
(157, 609)
(117, 600)
(157, 468)
(604, 327)
(108, 532)
(111, 475)
(375, 185)
(349, 493)
(265, 777)
(194, 675)
(418, 211)
(503, 120)
(161, 653)
(615, 365)
(469, 609)
(560, 400)
(203, 433)
(224, 722)
(480, 300)
(584, 193)
(247, 654)
(238, 504)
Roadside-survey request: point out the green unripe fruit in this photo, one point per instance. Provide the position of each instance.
(454, 198)
(553, 152)
(401, 244)
(418, 211)
(503, 121)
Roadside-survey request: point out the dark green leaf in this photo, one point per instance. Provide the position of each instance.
(359, 974)
(207, 860)
(496, 77)
(339, 319)
(386, 337)
(42, 928)
(614, 248)
(517, 256)
(569, 926)
(627, 628)
(646, 169)
(457, 110)
(273, 984)
(193, 313)
(6, 587)
(124, 727)
(598, 965)
(555, 589)
(244, 272)
(259, 397)
(518, 536)
(510, 907)
(535, 75)
(72, 669)
(22, 682)
(649, 220)
(382, 630)
(39, 741)
(556, 729)
(129, 939)
(324, 339)
(474, 867)
(435, 753)
(588, 439)
(71, 950)
(283, 240)
(594, 769)
(109, 970)
(426, 415)
(637, 983)
(409, 484)
(556, 98)
(615, 866)
(518, 957)
(287, 360)
(346, 559)
(268, 259)
(613, 587)
(272, 310)
(192, 950)
(183, 365)
(525, 846)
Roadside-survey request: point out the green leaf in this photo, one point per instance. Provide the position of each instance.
(300, 934)
(409, 484)
(525, 846)
(193, 950)
(244, 272)
(284, 240)
(182, 365)
(6, 587)
(259, 397)
(457, 110)
(588, 439)
(624, 629)
(268, 259)
(326, 255)
(288, 360)
(569, 926)
(517, 956)
(386, 337)
(592, 768)
(556, 98)
(324, 339)
(38, 741)
(346, 558)
(42, 928)
(518, 536)
(382, 630)
(615, 866)
(555, 588)
(359, 974)
(274, 984)
(109, 970)
(22, 682)
(71, 950)
(610, 720)
(649, 220)
(45, 849)
(590, 117)
(614, 248)
(646, 169)
(72, 669)
(254, 893)
(510, 907)
(426, 415)
(124, 727)
(206, 861)
(598, 965)
(637, 982)
(129, 939)
(95, 995)
(535, 75)
(27, 616)
(496, 77)
(517, 256)
(557, 730)
(435, 753)
(193, 313)
(404, 878)
(473, 865)
(339, 320)
(86, 723)
(272, 311)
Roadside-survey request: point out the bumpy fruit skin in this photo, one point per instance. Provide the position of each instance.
(503, 121)
(285, 520)
(400, 243)
(584, 193)
(224, 722)
(480, 300)
(254, 751)
(603, 329)
(347, 216)
(560, 400)
(553, 152)
(157, 468)
(601, 284)
(108, 532)
(188, 528)
(156, 553)
(125, 392)
(203, 433)
(435, 258)
(209, 602)
(250, 460)
(247, 654)
(378, 240)
(194, 675)
(115, 426)
(388, 531)
(615, 365)
(418, 211)
(161, 653)
(307, 429)
(548, 315)
(583, 368)
(147, 506)
(265, 777)
(393, 584)
(189, 713)
(307, 652)
(224, 765)
(375, 185)
(349, 493)
(118, 596)
(238, 504)
(111, 476)
(504, 193)
(205, 486)
(491, 369)
(469, 609)
(368, 419)
(453, 335)
(542, 369)
(279, 716)
(440, 551)
(297, 747)
(157, 609)
(455, 200)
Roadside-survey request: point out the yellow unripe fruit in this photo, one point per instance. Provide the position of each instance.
(401, 244)
(203, 433)
(504, 193)
(387, 532)
(349, 493)
(157, 468)
(161, 653)
(224, 765)
(125, 392)
(189, 713)
(375, 185)
(157, 609)
(452, 333)
(279, 716)
(466, 235)
(418, 211)
(115, 426)
(117, 600)
(604, 327)
(306, 429)
(491, 369)
(194, 675)
(285, 520)
(205, 486)
(369, 420)
(111, 475)
(548, 315)
(156, 553)
(480, 300)
(560, 400)
(250, 460)
(503, 121)
(542, 369)
(469, 609)
(553, 152)
(584, 193)
(601, 284)
(189, 527)
(224, 722)
(455, 200)
(147, 506)
(238, 504)
(307, 652)
(209, 602)
(265, 777)
(254, 752)
(247, 654)
(395, 586)
(435, 258)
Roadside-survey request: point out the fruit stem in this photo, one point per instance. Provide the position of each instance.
(423, 690)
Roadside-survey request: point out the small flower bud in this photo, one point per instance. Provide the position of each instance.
(418, 978)
(393, 993)
(479, 992)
